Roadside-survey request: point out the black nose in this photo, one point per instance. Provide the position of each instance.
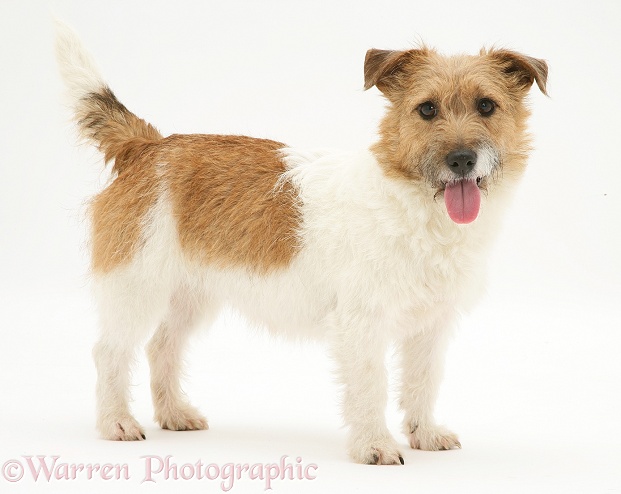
(461, 161)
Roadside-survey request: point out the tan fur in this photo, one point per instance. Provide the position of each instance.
(413, 148)
(119, 211)
(229, 208)
(228, 205)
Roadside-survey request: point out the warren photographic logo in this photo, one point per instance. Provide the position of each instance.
(154, 469)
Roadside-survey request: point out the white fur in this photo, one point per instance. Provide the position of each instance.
(380, 263)
(77, 67)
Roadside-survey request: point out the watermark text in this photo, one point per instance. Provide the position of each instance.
(155, 468)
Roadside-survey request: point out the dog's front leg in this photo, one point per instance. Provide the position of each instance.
(359, 351)
(422, 358)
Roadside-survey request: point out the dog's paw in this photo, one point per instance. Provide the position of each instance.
(433, 438)
(124, 428)
(185, 418)
(380, 451)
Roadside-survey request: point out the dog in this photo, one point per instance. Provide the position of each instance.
(366, 249)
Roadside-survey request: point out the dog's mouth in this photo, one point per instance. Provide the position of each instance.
(462, 199)
(462, 183)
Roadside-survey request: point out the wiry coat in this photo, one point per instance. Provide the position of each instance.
(357, 248)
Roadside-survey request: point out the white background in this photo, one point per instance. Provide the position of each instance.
(533, 375)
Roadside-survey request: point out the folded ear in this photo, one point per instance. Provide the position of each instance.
(382, 68)
(523, 69)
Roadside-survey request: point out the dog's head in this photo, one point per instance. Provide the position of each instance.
(456, 123)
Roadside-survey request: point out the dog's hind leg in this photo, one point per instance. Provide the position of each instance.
(165, 353)
(129, 307)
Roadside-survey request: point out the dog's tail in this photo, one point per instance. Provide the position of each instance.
(101, 118)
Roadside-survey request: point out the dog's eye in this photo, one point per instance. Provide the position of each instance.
(427, 110)
(486, 107)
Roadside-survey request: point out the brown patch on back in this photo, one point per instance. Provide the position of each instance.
(228, 202)
(230, 208)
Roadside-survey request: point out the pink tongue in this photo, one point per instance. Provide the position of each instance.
(462, 200)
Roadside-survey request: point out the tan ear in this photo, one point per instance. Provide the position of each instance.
(525, 70)
(382, 68)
